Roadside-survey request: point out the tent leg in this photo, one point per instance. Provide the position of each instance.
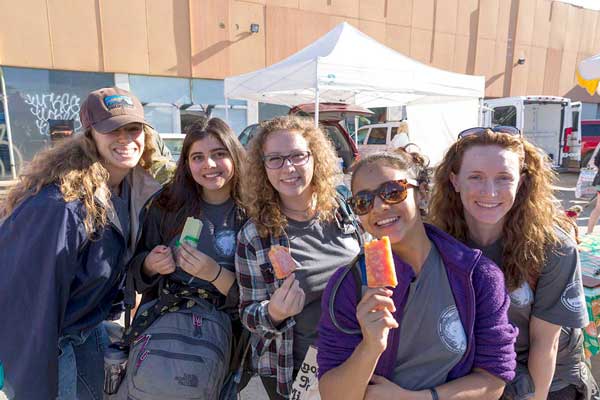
(317, 107)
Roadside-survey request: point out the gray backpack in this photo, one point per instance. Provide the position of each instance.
(183, 354)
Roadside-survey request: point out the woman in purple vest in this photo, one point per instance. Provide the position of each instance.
(442, 332)
(493, 191)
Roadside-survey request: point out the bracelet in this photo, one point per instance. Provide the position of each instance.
(218, 274)
(434, 394)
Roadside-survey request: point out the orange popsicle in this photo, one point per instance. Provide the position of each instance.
(380, 264)
(282, 261)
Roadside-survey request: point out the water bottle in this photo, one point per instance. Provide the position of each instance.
(115, 363)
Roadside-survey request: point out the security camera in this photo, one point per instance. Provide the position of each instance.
(521, 60)
(254, 28)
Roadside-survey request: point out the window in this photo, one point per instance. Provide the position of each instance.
(164, 117)
(377, 136)
(247, 134)
(269, 111)
(506, 115)
(575, 121)
(211, 92)
(158, 89)
(36, 96)
(590, 130)
(237, 117)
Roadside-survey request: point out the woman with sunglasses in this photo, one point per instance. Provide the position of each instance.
(442, 332)
(493, 191)
(292, 202)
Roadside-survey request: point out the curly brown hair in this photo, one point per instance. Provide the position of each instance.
(74, 165)
(524, 244)
(262, 200)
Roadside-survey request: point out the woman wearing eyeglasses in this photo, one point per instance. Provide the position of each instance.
(442, 332)
(291, 201)
(493, 191)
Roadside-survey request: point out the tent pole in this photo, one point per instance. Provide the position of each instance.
(317, 107)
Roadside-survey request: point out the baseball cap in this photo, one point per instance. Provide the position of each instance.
(108, 109)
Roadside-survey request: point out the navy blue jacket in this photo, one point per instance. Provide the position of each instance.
(55, 281)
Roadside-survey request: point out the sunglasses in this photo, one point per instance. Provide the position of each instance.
(391, 192)
(277, 161)
(511, 130)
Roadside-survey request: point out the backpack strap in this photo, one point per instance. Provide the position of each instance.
(348, 218)
(357, 269)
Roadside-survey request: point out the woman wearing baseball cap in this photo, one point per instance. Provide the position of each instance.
(67, 230)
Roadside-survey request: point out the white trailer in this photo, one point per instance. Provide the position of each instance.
(546, 121)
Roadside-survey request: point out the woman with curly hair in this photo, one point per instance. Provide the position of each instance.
(69, 227)
(493, 191)
(292, 202)
(442, 332)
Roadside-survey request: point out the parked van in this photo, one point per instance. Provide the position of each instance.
(380, 137)
(546, 121)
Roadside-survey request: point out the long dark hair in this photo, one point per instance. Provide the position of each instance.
(182, 195)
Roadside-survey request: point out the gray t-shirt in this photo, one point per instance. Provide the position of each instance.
(432, 338)
(318, 248)
(558, 299)
(217, 240)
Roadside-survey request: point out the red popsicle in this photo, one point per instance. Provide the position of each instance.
(282, 261)
(380, 264)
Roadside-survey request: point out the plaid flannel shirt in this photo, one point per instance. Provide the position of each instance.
(272, 346)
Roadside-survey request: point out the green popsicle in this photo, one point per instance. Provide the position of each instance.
(191, 231)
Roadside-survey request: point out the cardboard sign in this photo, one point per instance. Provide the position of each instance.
(306, 385)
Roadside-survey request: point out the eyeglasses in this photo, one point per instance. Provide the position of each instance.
(391, 192)
(277, 161)
(511, 130)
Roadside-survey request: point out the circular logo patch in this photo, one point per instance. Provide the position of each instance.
(572, 298)
(451, 330)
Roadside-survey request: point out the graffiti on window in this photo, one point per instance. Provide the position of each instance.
(53, 106)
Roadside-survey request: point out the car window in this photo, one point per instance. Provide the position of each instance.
(362, 134)
(377, 136)
(590, 130)
(336, 137)
(175, 145)
(394, 131)
(247, 134)
(506, 115)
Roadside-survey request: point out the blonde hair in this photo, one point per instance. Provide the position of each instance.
(74, 165)
(262, 200)
(529, 225)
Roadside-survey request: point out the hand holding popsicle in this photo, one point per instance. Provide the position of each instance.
(286, 301)
(374, 315)
(196, 263)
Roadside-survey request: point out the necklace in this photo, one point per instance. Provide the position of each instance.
(306, 212)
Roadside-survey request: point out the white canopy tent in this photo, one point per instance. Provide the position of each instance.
(347, 66)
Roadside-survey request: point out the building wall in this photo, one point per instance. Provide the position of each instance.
(211, 38)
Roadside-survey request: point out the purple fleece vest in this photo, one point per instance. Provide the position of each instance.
(460, 262)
